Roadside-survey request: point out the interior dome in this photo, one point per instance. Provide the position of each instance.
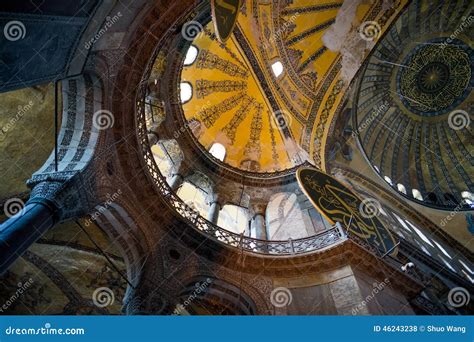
(413, 103)
(233, 108)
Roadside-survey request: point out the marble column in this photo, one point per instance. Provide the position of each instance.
(19, 232)
(153, 133)
(176, 181)
(54, 198)
(152, 138)
(213, 214)
(257, 227)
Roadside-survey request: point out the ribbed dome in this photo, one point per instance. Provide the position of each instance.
(413, 103)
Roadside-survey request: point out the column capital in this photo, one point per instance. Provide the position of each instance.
(257, 208)
(67, 193)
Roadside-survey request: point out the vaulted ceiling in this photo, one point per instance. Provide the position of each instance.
(267, 93)
(414, 99)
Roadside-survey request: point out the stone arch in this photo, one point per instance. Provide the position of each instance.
(83, 119)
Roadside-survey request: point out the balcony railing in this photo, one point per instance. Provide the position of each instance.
(316, 242)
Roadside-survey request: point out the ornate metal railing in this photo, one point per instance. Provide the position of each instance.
(287, 247)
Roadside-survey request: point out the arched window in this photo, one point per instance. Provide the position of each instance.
(417, 194)
(194, 198)
(468, 276)
(388, 180)
(432, 198)
(404, 225)
(442, 249)
(420, 233)
(402, 188)
(218, 151)
(447, 264)
(191, 55)
(376, 168)
(451, 199)
(277, 68)
(466, 266)
(186, 92)
(468, 197)
(233, 218)
(162, 160)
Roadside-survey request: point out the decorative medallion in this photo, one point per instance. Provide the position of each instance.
(338, 204)
(434, 79)
(224, 16)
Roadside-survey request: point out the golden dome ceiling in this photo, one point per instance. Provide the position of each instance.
(261, 94)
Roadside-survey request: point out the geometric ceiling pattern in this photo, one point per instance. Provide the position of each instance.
(262, 93)
(414, 102)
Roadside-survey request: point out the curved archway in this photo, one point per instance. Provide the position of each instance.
(211, 296)
(234, 218)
